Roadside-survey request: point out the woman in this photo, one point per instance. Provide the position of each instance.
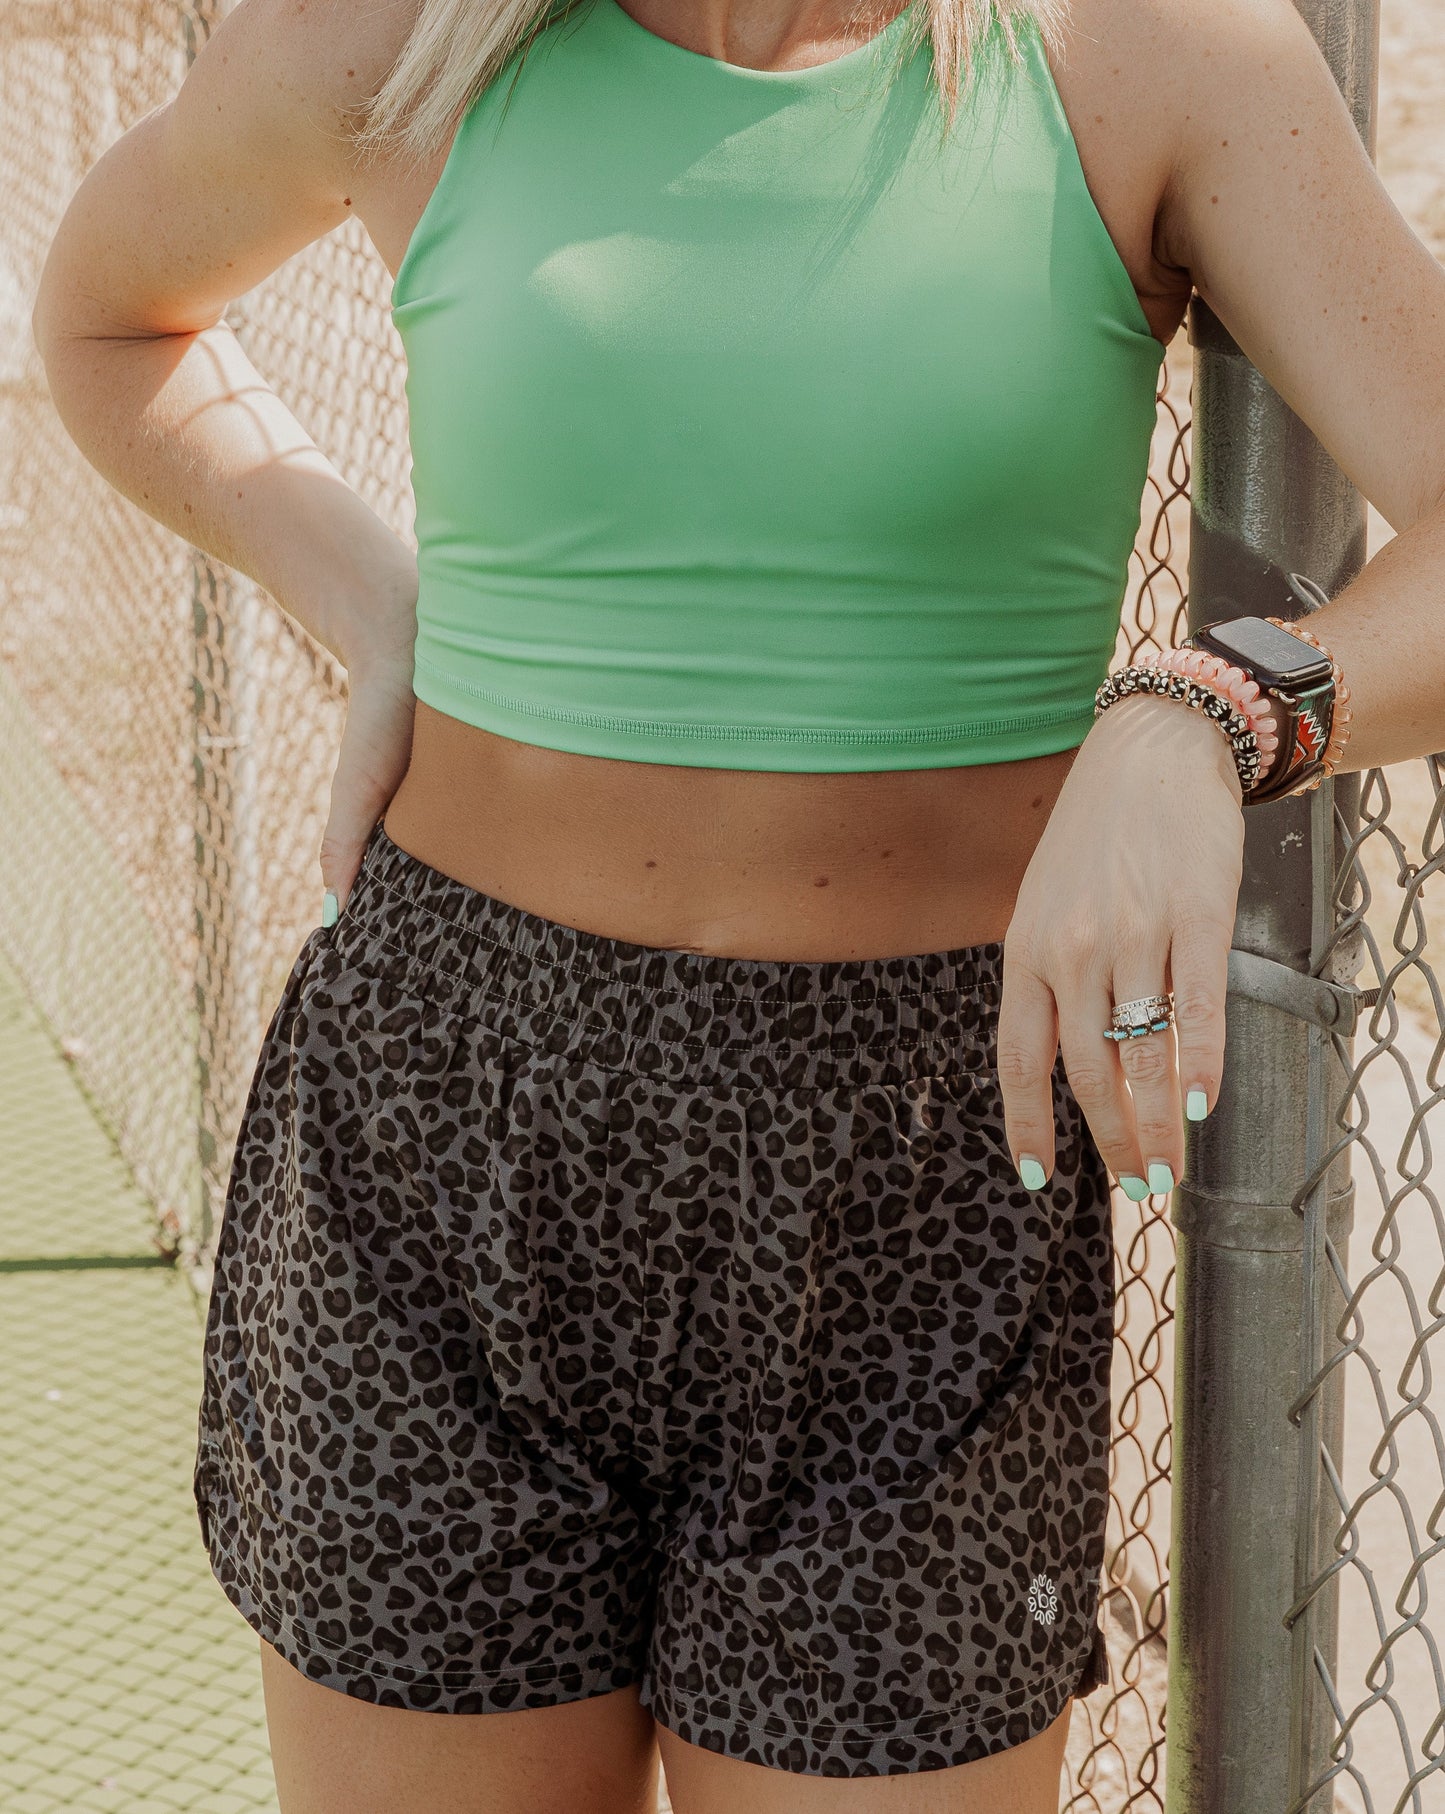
(664, 1296)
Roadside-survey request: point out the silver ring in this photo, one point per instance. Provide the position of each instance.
(1146, 1014)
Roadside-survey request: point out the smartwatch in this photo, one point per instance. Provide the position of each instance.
(1298, 679)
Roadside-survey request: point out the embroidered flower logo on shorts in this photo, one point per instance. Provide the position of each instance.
(1043, 1600)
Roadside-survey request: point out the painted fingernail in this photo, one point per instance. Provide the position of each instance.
(1135, 1189)
(1160, 1177)
(1031, 1172)
(1196, 1105)
(328, 907)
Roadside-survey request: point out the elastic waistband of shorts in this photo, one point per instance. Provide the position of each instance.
(468, 948)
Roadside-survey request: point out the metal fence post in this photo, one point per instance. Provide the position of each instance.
(1249, 1730)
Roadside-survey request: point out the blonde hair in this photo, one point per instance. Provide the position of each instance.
(456, 48)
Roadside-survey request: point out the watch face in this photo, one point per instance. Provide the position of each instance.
(1272, 655)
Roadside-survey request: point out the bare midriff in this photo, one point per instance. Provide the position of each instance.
(740, 863)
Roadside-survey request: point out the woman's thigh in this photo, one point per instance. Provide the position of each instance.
(335, 1754)
(1022, 1780)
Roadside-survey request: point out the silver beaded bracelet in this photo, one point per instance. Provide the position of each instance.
(1248, 758)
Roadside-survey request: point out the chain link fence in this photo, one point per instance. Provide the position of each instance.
(1381, 1491)
(167, 737)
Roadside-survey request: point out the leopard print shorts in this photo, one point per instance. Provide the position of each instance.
(588, 1314)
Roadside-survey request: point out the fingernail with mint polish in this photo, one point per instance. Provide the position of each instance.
(1161, 1179)
(1135, 1189)
(328, 907)
(1196, 1105)
(1031, 1172)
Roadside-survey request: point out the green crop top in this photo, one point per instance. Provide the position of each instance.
(757, 425)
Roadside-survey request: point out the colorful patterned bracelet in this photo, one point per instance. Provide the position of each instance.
(1340, 717)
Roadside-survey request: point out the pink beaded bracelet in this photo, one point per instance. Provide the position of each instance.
(1231, 683)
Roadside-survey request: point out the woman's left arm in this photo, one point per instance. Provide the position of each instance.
(1277, 215)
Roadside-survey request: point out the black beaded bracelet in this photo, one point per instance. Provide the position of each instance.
(1168, 684)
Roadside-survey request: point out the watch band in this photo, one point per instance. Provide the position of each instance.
(1337, 732)
(1312, 713)
(1304, 736)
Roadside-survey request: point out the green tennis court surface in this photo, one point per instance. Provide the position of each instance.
(127, 1681)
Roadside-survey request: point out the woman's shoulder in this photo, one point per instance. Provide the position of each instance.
(309, 65)
(293, 78)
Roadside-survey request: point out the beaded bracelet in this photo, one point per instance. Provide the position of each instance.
(1168, 683)
(1242, 689)
(1238, 686)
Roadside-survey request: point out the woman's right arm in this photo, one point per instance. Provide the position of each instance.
(196, 204)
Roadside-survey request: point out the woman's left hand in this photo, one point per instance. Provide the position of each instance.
(1131, 891)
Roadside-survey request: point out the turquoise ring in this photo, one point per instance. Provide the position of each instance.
(1136, 1019)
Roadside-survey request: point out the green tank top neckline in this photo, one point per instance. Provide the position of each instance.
(758, 423)
(713, 68)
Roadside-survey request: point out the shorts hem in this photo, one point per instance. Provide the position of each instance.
(978, 1726)
(441, 1691)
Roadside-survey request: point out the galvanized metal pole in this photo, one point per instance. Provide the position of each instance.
(1248, 1727)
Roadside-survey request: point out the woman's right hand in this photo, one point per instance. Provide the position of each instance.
(375, 744)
